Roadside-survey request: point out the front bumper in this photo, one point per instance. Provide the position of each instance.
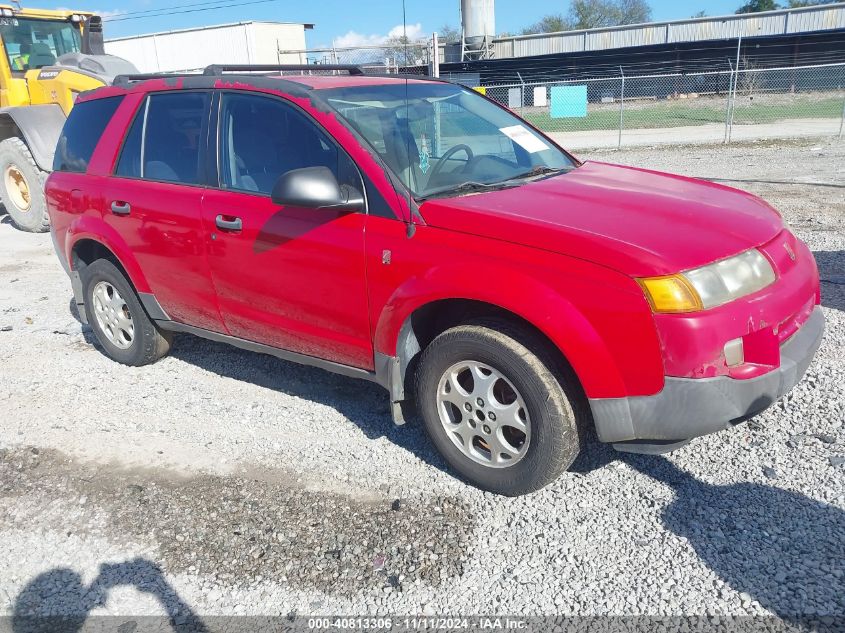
(691, 407)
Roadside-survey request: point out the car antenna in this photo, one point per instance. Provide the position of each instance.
(411, 228)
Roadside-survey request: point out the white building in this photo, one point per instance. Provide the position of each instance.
(191, 49)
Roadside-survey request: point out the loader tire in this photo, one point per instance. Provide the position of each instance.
(22, 187)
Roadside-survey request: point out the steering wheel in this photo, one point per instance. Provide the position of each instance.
(441, 162)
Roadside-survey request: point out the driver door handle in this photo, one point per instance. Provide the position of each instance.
(232, 224)
(119, 207)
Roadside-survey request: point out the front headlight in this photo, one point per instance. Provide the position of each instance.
(711, 285)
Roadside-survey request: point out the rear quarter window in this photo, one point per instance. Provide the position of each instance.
(82, 132)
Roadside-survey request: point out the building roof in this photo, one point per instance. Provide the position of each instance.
(307, 26)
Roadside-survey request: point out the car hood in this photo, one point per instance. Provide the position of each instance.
(636, 221)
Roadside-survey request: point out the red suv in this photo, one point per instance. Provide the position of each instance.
(416, 234)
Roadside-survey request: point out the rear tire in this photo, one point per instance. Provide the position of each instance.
(490, 367)
(124, 331)
(22, 187)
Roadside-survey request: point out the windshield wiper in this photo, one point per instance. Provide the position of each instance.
(472, 186)
(539, 170)
(467, 187)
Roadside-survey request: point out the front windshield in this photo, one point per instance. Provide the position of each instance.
(31, 43)
(440, 138)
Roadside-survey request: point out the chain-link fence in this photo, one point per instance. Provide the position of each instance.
(400, 56)
(717, 106)
(700, 107)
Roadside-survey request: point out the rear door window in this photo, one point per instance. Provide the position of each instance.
(82, 132)
(165, 140)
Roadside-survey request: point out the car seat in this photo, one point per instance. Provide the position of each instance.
(402, 150)
(253, 139)
(41, 55)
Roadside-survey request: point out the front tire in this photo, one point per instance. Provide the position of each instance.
(22, 187)
(125, 333)
(494, 408)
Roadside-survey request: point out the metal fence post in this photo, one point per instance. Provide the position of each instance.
(842, 120)
(728, 102)
(733, 105)
(621, 107)
(435, 56)
(521, 96)
(736, 86)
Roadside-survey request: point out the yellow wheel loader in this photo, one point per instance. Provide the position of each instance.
(47, 58)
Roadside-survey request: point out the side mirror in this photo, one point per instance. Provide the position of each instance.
(315, 188)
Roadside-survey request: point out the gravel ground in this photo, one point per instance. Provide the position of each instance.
(235, 483)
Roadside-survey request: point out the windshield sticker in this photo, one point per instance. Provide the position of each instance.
(425, 155)
(520, 135)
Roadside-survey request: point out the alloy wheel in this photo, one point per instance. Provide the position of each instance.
(483, 414)
(113, 315)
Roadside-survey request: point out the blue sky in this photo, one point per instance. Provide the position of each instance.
(351, 21)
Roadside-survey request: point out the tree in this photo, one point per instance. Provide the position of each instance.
(591, 14)
(403, 51)
(700, 14)
(755, 6)
(449, 33)
(548, 24)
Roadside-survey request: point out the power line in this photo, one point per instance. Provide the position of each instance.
(159, 9)
(202, 6)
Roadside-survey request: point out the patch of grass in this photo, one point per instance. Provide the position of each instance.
(686, 113)
(759, 113)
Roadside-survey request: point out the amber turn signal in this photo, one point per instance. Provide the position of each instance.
(671, 293)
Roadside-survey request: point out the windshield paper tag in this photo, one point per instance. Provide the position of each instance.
(520, 135)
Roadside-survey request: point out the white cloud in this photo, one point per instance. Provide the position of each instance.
(414, 31)
(353, 39)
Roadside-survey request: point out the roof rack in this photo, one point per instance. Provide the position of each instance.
(216, 70)
(219, 69)
(121, 80)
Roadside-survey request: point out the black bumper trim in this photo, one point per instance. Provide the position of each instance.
(691, 407)
(153, 307)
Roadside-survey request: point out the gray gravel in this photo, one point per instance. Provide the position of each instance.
(237, 483)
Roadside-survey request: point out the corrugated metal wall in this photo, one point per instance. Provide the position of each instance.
(787, 21)
(773, 51)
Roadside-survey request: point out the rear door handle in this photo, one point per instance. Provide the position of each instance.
(120, 208)
(235, 224)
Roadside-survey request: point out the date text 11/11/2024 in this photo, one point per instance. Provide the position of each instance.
(418, 623)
